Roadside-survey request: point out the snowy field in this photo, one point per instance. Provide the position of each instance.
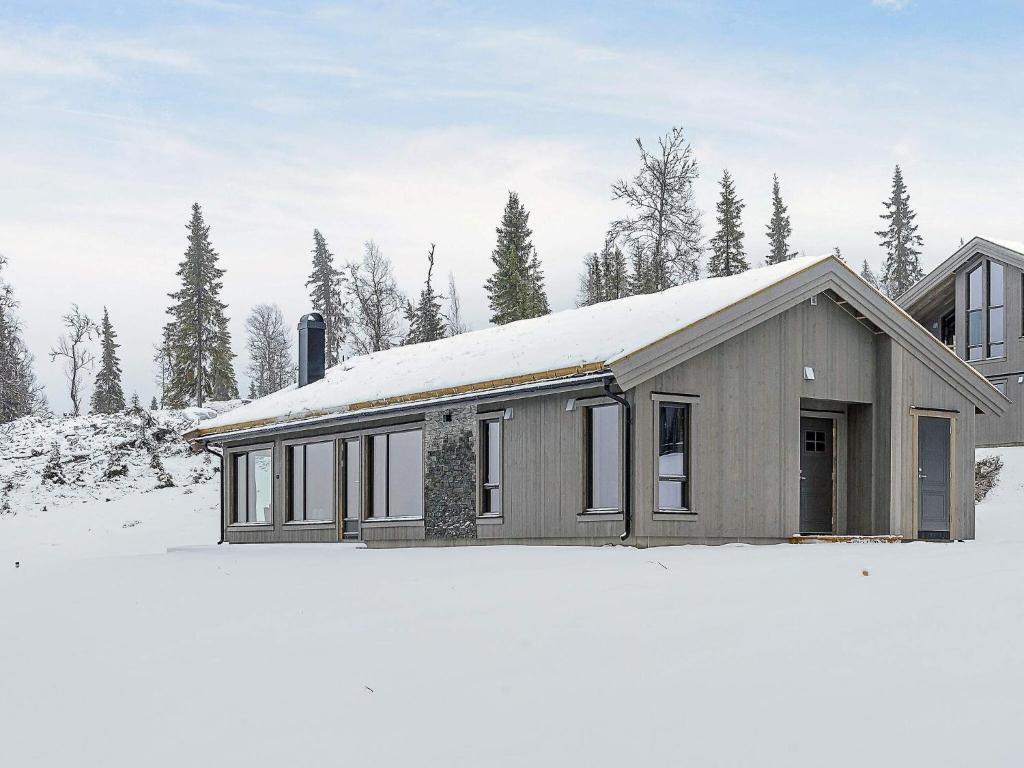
(115, 652)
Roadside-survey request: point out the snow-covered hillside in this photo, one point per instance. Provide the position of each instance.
(106, 483)
(827, 654)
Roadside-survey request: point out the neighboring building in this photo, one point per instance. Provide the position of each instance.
(972, 303)
(792, 399)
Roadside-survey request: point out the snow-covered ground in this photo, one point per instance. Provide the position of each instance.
(114, 652)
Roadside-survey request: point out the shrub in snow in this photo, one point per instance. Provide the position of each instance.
(986, 475)
(5, 507)
(53, 471)
(116, 466)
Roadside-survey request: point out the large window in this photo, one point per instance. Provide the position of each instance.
(603, 468)
(673, 457)
(986, 311)
(311, 482)
(253, 487)
(351, 493)
(490, 467)
(396, 476)
(996, 311)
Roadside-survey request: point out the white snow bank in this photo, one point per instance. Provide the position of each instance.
(576, 337)
(511, 656)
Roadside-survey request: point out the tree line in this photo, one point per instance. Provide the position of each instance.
(659, 243)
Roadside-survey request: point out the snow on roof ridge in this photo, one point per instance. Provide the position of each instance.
(576, 338)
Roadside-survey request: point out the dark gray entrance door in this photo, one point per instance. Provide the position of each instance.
(933, 435)
(817, 462)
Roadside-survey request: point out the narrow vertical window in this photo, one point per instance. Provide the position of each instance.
(490, 467)
(351, 493)
(253, 487)
(673, 456)
(311, 482)
(996, 311)
(975, 299)
(603, 444)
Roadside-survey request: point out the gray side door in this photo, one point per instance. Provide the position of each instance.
(817, 462)
(933, 438)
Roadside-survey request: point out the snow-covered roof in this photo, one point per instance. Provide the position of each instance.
(560, 344)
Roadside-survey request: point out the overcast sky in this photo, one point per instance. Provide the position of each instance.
(409, 122)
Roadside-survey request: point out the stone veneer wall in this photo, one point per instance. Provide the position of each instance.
(449, 487)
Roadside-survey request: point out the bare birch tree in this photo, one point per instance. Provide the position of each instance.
(453, 317)
(73, 348)
(663, 231)
(376, 301)
(270, 350)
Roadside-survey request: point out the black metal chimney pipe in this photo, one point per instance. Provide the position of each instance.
(312, 348)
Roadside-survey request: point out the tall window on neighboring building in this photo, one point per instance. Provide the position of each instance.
(351, 495)
(673, 456)
(975, 300)
(490, 467)
(603, 466)
(396, 474)
(996, 311)
(253, 487)
(310, 468)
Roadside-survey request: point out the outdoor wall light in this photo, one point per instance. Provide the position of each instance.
(808, 373)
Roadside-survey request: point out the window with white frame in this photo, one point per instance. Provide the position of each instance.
(490, 467)
(603, 445)
(310, 468)
(673, 456)
(253, 486)
(396, 474)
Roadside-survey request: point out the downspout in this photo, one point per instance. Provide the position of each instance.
(220, 503)
(627, 460)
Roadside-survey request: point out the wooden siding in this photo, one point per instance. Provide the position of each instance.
(746, 424)
(542, 477)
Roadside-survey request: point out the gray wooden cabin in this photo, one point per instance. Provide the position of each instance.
(972, 302)
(812, 406)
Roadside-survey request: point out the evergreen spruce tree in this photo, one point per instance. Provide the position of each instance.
(326, 291)
(727, 254)
(107, 394)
(779, 229)
(515, 290)
(53, 470)
(869, 276)
(19, 393)
(136, 404)
(591, 282)
(197, 337)
(613, 272)
(900, 240)
(153, 406)
(426, 321)
(604, 276)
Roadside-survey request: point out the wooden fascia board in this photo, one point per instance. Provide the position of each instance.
(432, 396)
